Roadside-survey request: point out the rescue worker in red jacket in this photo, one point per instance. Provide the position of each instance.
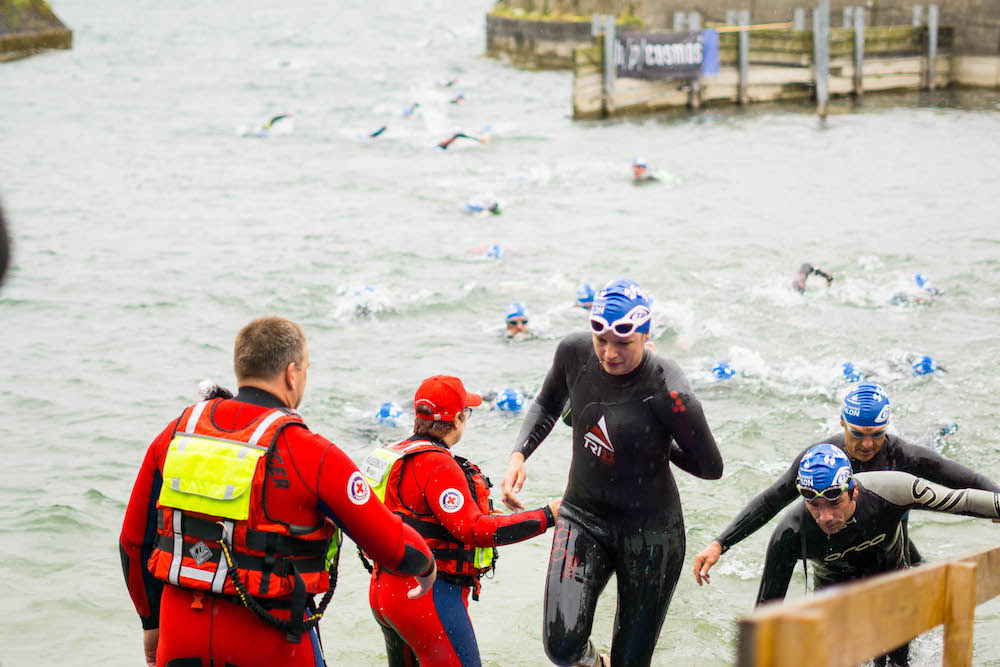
(446, 499)
(234, 521)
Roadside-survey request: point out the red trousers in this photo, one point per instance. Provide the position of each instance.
(201, 626)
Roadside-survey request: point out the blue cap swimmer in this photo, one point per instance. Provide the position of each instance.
(824, 471)
(851, 373)
(925, 366)
(621, 307)
(723, 371)
(585, 295)
(866, 405)
(495, 251)
(509, 400)
(517, 319)
(388, 414)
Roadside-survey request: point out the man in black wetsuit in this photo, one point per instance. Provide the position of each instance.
(633, 414)
(852, 527)
(865, 418)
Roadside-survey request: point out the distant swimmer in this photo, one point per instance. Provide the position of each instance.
(389, 414)
(925, 365)
(508, 400)
(495, 251)
(723, 370)
(921, 292)
(410, 110)
(585, 296)
(378, 132)
(447, 84)
(806, 270)
(268, 128)
(851, 372)
(640, 171)
(517, 320)
(458, 99)
(483, 208)
(443, 146)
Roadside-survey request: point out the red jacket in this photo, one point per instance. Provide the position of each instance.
(427, 485)
(308, 479)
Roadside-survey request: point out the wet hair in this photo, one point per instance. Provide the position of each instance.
(427, 427)
(266, 346)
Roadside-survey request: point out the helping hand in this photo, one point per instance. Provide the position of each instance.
(704, 561)
(513, 481)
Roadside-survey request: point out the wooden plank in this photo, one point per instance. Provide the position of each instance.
(987, 574)
(960, 611)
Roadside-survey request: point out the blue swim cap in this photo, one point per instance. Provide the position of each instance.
(824, 466)
(509, 400)
(851, 374)
(924, 366)
(920, 279)
(723, 371)
(639, 162)
(388, 413)
(622, 302)
(474, 207)
(516, 309)
(866, 405)
(495, 251)
(585, 295)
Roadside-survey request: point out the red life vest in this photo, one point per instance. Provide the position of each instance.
(269, 555)
(458, 563)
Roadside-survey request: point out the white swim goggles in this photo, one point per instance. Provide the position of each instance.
(623, 326)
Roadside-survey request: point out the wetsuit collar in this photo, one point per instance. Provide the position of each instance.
(428, 438)
(255, 396)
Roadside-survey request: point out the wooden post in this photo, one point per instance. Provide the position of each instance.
(859, 51)
(960, 610)
(744, 21)
(918, 15)
(694, 21)
(932, 44)
(848, 17)
(609, 65)
(680, 20)
(694, 94)
(799, 18)
(821, 55)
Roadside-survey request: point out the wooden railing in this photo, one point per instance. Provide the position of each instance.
(851, 624)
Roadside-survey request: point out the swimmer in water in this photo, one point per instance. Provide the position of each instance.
(266, 129)
(925, 294)
(585, 296)
(409, 111)
(806, 270)
(458, 99)
(641, 173)
(517, 320)
(378, 132)
(443, 146)
(483, 209)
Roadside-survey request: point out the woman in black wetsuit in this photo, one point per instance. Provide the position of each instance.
(633, 413)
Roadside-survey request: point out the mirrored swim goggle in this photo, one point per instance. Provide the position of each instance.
(623, 326)
(831, 493)
(861, 435)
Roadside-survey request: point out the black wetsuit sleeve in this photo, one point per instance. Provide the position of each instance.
(547, 407)
(783, 552)
(694, 449)
(762, 508)
(930, 465)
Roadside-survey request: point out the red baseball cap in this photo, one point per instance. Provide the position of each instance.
(445, 396)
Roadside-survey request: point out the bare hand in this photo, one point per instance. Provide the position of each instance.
(150, 638)
(513, 481)
(424, 584)
(704, 561)
(555, 505)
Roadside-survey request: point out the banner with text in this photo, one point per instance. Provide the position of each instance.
(672, 55)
